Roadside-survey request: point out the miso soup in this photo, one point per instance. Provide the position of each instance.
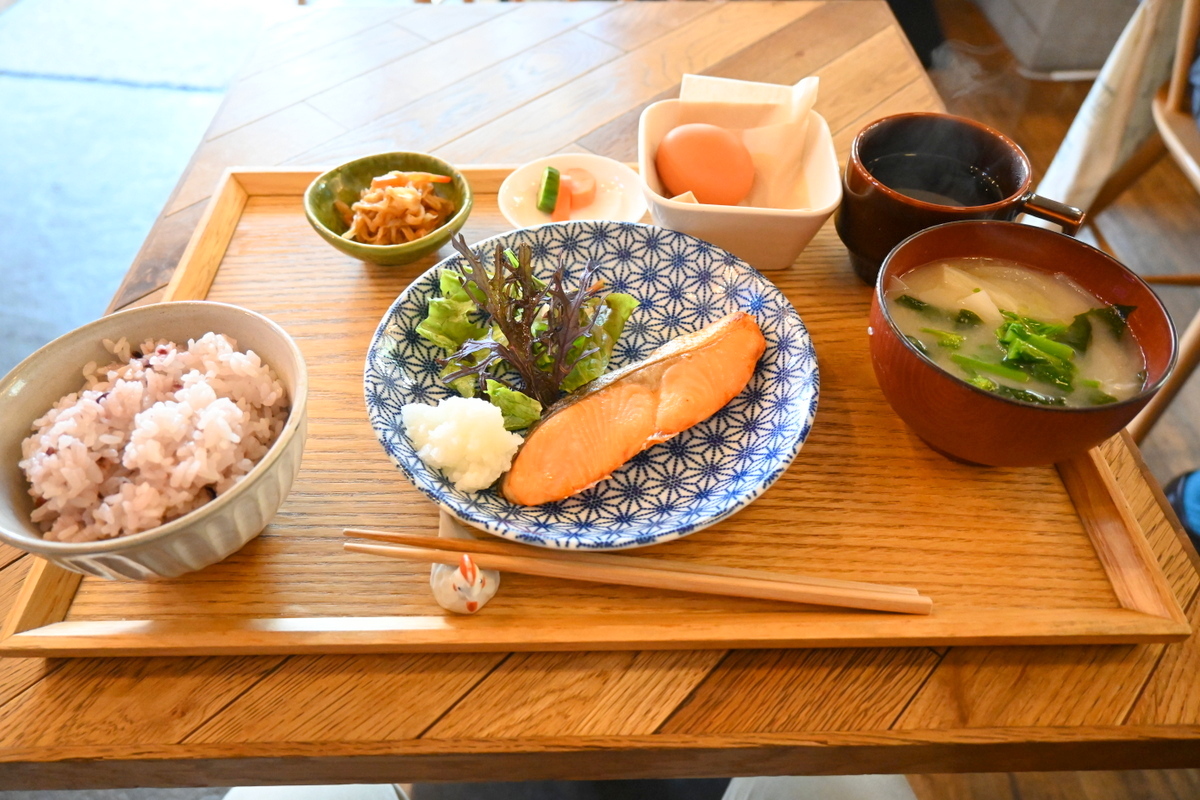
(1021, 333)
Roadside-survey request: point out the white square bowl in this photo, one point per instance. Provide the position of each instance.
(766, 238)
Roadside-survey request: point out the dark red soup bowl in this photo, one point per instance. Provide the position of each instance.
(970, 424)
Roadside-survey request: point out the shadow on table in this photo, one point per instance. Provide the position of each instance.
(682, 789)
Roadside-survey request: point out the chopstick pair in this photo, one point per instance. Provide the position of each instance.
(645, 572)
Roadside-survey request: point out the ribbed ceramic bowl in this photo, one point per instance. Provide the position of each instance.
(199, 538)
(346, 183)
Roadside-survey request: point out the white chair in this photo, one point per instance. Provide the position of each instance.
(1173, 117)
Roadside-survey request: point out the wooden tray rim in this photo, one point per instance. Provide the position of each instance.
(1148, 610)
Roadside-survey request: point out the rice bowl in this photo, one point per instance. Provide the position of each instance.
(199, 536)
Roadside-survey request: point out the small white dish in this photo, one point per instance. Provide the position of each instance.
(766, 238)
(619, 195)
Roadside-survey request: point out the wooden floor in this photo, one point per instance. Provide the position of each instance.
(1163, 784)
(1155, 229)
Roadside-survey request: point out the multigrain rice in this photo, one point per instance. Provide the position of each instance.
(157, 433)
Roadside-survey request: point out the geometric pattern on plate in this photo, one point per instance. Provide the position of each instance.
(699, 477)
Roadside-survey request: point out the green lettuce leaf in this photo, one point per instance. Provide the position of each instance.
(452, 317)
(620, 307)
(465, 386)
(611, 319)
(519, 410)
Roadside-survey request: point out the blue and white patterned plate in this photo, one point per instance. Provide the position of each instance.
(699, 477)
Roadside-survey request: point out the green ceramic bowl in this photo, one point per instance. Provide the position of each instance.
(346, 182)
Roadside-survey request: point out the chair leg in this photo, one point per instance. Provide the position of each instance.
(1143, 158)
(1189, 357)
(1191, 279)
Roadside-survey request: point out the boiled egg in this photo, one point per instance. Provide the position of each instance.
(706, 160)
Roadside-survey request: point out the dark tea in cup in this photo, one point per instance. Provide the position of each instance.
(912, 171)
(936, 179)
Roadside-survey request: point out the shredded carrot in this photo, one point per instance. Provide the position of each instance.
(398, 178)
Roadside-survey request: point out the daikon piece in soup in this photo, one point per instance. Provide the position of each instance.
(1018, 332)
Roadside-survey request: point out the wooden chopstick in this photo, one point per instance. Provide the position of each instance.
(651, 573)
(585, 557)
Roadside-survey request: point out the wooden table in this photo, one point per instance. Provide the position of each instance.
(503, 83)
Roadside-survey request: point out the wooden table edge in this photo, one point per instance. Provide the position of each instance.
(604, 757)
(435, 634)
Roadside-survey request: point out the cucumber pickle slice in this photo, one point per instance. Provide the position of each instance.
(548, 192)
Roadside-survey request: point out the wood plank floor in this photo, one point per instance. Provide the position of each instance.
(1155, 229)
(1163, 784)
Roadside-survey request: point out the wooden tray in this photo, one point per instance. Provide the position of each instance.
(1016, 556)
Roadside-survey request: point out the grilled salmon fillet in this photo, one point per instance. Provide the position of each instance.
(586, 436)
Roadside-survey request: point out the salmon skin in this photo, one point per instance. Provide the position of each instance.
(587, 435)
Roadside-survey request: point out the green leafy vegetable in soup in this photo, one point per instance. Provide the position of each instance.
(1020, 333)
(499, 320)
